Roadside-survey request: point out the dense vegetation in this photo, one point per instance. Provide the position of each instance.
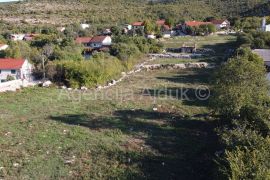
(103, 12)
(241, 100)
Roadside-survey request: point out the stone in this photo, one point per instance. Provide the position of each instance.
(47, 84)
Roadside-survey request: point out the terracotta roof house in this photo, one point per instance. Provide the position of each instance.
(16, 68)
(138, 25)
(220, 24)
(196, 23)
(83, 40)
(100, 41)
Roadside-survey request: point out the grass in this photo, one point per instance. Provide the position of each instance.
(110, 134)
(47, 133)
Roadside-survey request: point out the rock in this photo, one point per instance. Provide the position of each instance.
(84, 88)
(155, 109)
(69, 89)
(113, 82)
(123, 73)
(63, 87)
(47, 84)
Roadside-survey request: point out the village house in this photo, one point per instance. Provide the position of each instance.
(166, 30)
(85, 41)
(100, 41)
(15, 68)
(17, 37)
(221, 24)
(265, 27)
(3, 47)
(183, 27)
(138, 25)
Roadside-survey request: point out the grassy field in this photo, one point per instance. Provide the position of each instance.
(50, 133)
(172, 61)
(150, 126)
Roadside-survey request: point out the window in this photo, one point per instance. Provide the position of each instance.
(13, 71)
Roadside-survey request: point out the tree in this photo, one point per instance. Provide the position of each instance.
(149, 27)
(240, 84)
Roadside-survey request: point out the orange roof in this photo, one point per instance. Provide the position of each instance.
(160, 22)
(9, 63)
(97, 39)
(196, 23)
(81, 40)
(138, 24)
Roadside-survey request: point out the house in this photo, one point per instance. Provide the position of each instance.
(166, 30)
(3, 47)
(264, 54)
(100, 41)
(30, 37)
(221, 24)
(265, 27)
(85, 41)
(138, 25)
(183, 27)
(84, 26)
(17, 37)
(107, 32)
(16, 68)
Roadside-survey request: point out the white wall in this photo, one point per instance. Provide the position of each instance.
(107, 41)
(24, 73)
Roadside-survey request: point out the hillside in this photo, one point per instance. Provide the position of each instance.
(119, 11)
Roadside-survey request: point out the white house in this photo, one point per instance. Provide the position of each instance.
(85, 26)
(16, 68)
(265, 27)
(17, 37)
(221, 24)
(3, 47)
(100, 41)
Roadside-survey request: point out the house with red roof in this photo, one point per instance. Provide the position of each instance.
(84, 41)
(138, 25)
(100, 41)
(221, 24)
(16, 68)
(165, 28)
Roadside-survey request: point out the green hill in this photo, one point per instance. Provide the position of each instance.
(120, 11)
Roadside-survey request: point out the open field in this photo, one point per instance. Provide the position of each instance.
(150, 126)
(50, 133)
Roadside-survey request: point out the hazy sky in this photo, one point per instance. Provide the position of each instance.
(8, 0)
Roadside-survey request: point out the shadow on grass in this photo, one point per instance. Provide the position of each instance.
(199, 76)
(183, 148)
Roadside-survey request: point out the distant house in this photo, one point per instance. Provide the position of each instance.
(17, 37)
(187, 24)
(138, 25)
(3, 47)
(265, 27)
(264, 54)
(16, 68)
(100, 41)
(221, 24)
(84, 26)
(107, 32)
(166, 30)
(30, 37)
(85, 41)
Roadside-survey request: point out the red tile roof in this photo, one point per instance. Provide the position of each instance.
(160, 22)
(81, 40)
(138, 24)
(98, 39)
(196, 23)
(9, 63)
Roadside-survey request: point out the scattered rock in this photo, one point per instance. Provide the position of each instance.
(47, 84)
(84, 88)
